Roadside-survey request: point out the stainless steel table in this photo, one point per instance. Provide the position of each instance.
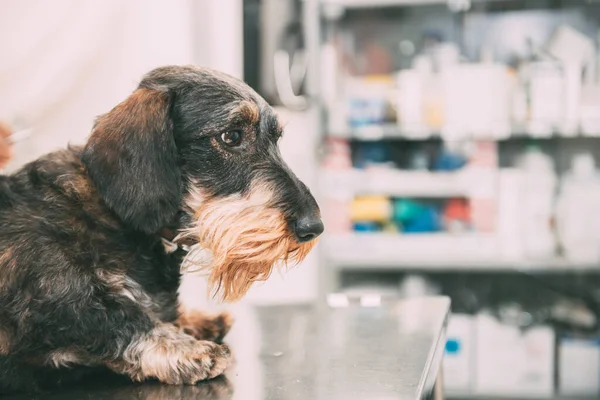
(357, 348)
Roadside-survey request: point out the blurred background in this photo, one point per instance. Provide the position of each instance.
(441, 162)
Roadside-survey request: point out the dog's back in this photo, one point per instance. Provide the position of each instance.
(45, 211)
(30, 201)
(5, 193)
(13, 375)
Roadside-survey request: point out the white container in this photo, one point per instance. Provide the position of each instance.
(510, 362)
(575, 50)
(477, 101)
(572, 99)
(537, 197)
(579, 367)
(589, 112)
(570, 45)
(546, 96)
(578, 221)
(410, 103)
(458, 360)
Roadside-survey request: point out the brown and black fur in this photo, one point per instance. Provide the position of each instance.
(85, 278)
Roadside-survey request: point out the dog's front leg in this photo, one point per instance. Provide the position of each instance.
(125, 337)
(171, 356)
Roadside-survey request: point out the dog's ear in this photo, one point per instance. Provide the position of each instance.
(132, 159)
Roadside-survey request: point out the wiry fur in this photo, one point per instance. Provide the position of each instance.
(86, 280)
(247, 237)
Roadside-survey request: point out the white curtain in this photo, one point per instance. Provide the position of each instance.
(64, 62)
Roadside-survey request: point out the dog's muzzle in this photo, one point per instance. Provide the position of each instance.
(242, 238)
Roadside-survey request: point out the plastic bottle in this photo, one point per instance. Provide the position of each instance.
(577, 218)
(537, 204)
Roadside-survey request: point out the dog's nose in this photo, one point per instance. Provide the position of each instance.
(307, 228)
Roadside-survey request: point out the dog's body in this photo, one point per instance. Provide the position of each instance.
(85, 277)
(72, 275)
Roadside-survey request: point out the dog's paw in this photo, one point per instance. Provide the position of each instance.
(206, 360)
(172, 357)
(213, 358)
(206, 327)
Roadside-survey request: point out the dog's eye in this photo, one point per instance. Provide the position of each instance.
(232, 138)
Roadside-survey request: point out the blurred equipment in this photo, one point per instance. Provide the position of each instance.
(5, 144)
(276, 63)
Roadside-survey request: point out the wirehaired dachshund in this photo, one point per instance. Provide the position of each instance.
(184, 173)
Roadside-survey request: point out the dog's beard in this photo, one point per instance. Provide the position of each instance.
(245, 237)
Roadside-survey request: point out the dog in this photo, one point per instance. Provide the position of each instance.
(93, 238)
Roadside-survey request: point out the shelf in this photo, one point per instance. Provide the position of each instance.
(399, 183)
(358, 4)
(379, 132)
(452, 396)
(381, 3)
(392, 131)
(433, 252)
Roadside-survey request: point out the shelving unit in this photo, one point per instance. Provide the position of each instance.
(473, 259)
(461, 253)
(398, 183)
(411, 252)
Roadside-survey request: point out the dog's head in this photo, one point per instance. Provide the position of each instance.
(196, 142)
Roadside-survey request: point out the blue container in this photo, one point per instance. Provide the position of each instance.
(371, 153)
(367, 226)
(424, 222)
(407, 210)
